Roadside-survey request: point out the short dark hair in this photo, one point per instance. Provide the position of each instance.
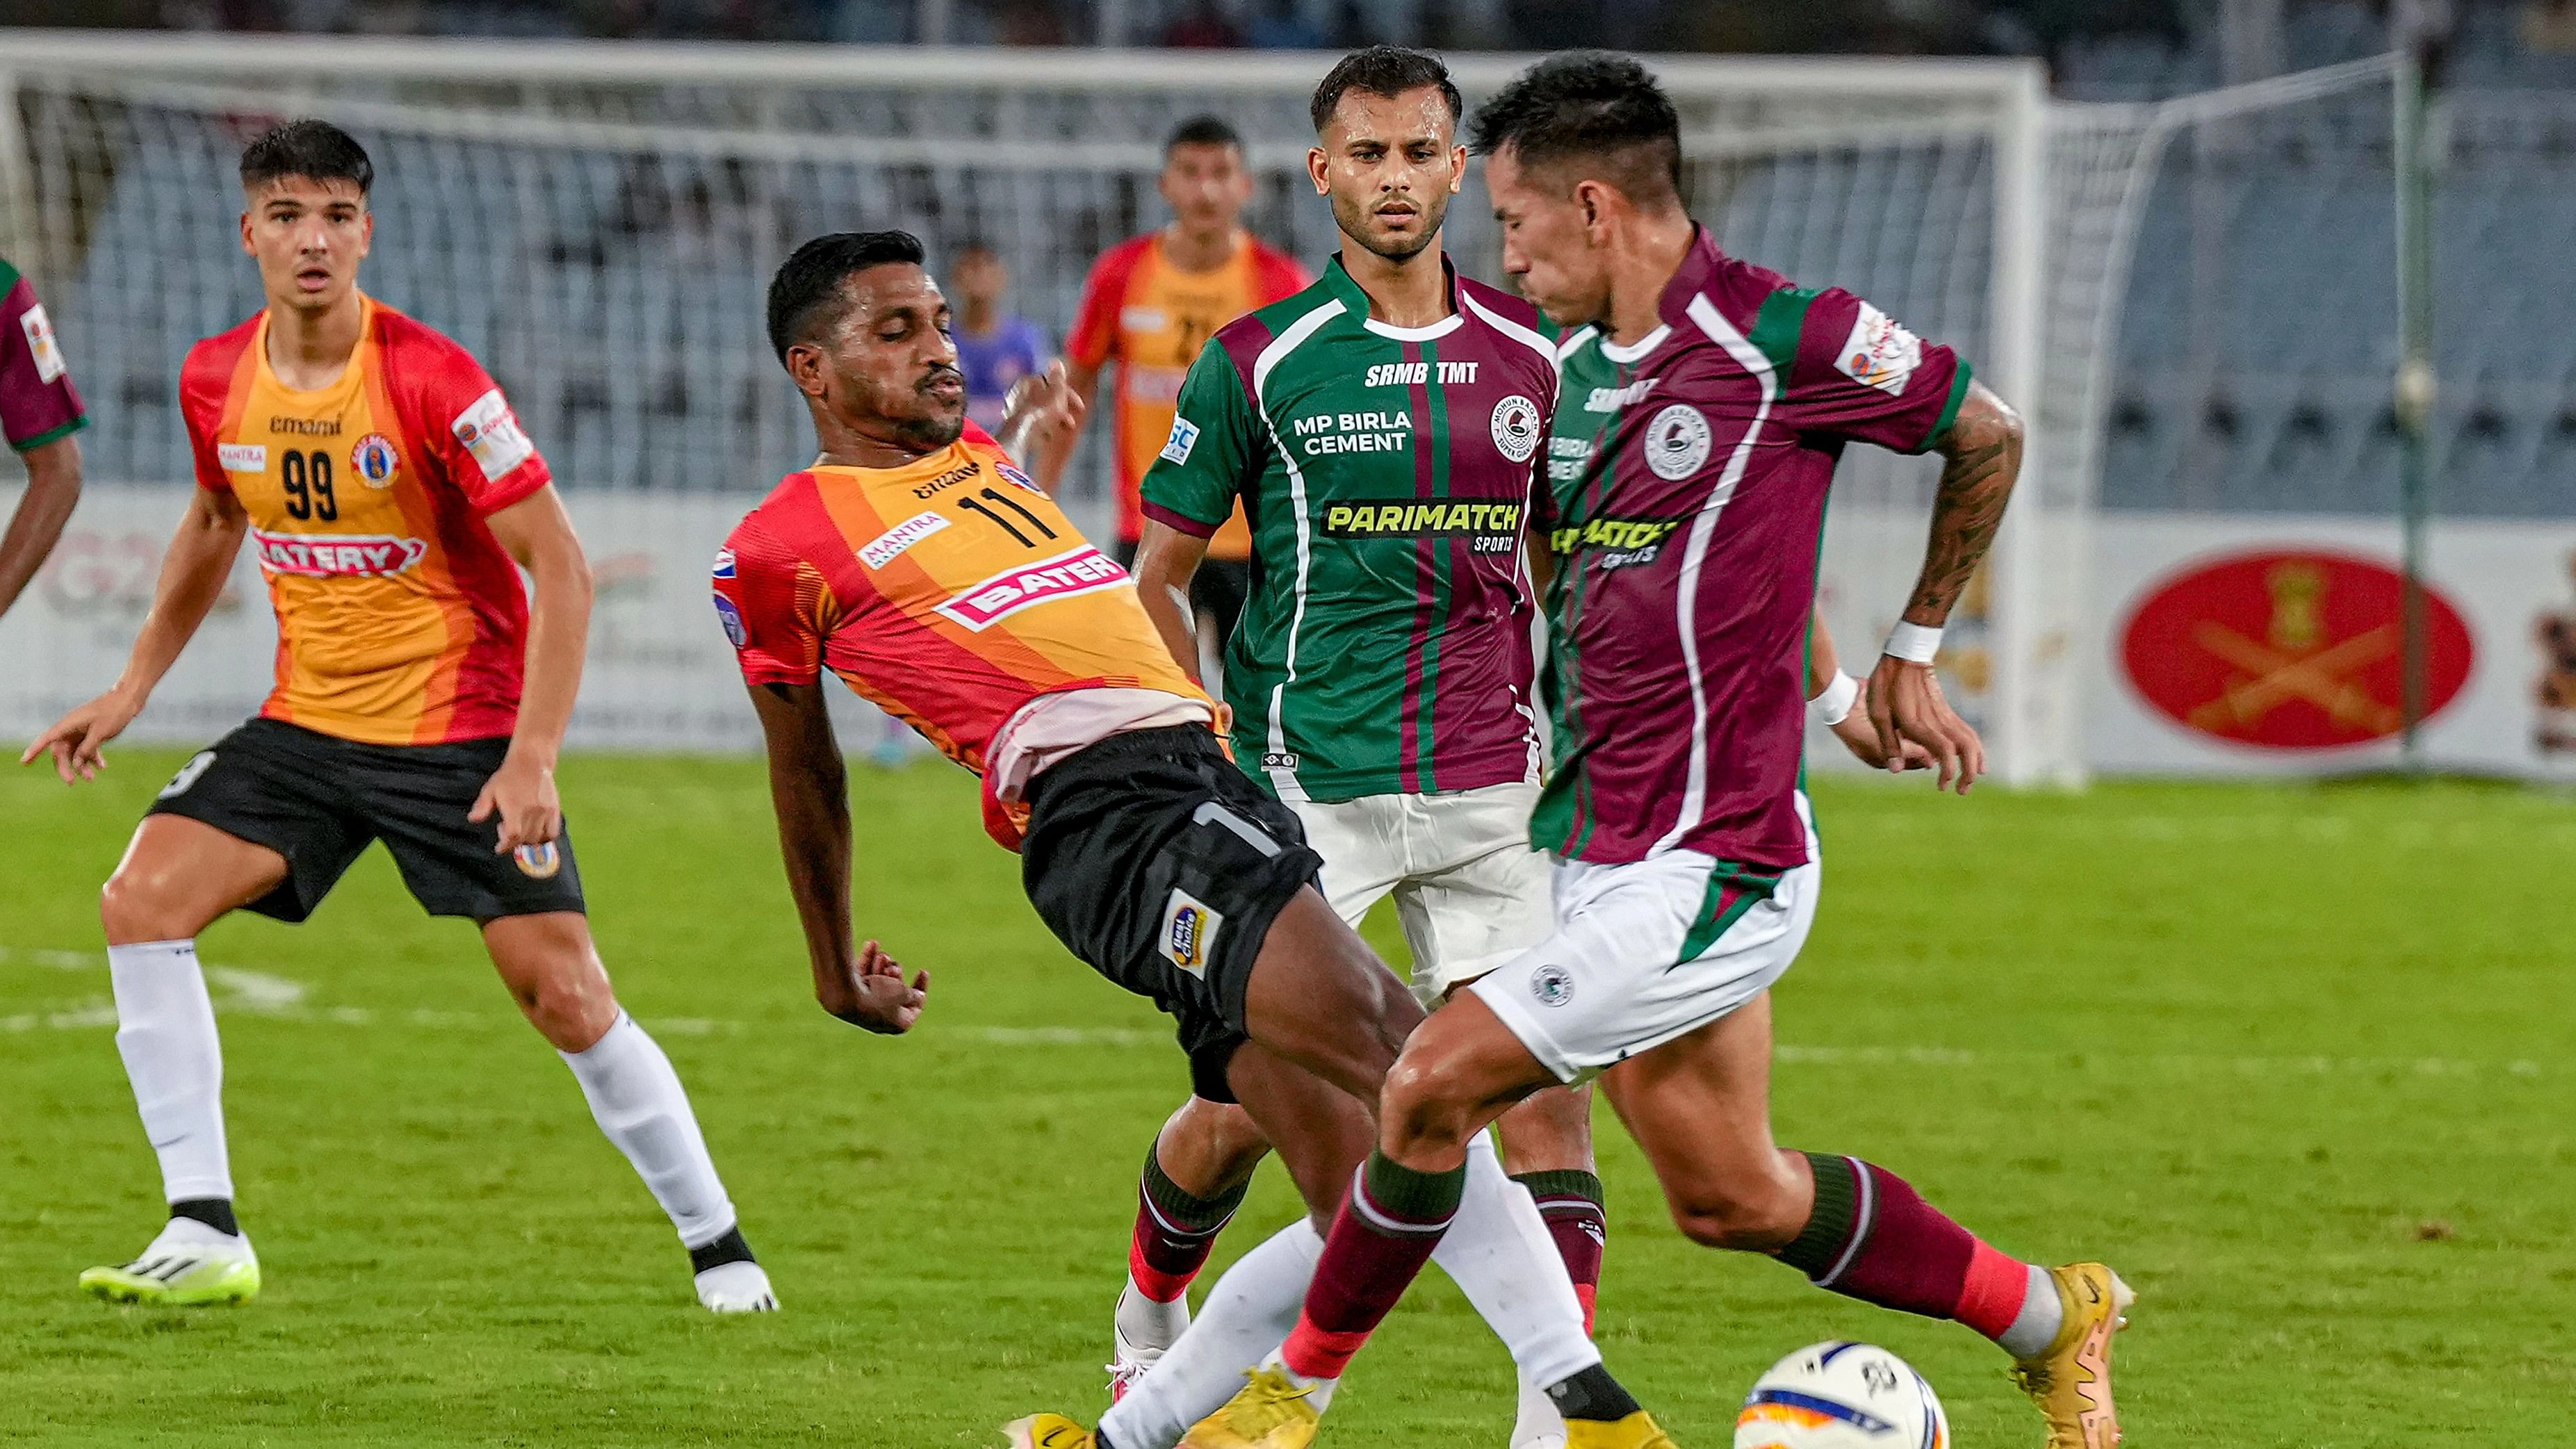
(806, 295)
(1384, 70)
(1594, 106)
(1203, 131)
(313, 149)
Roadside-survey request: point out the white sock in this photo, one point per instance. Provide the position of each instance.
(2042, 1314)
(639, 1102)
(165, 1031)
(1536, 1424)
(1248, 1313)
(1146, 1326)
(1499, 1253)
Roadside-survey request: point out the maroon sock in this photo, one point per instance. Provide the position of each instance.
(1874, 1238)
(1383, 1235)
(1570, 1203)
(1175, 1232)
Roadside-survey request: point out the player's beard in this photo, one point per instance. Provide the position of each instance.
(1353, 216)
(935, 430)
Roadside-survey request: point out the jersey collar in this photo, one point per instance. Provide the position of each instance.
(1699, 265)
(1355, 301)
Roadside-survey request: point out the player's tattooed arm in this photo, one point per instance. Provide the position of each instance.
(809, 789)
(1981, 460)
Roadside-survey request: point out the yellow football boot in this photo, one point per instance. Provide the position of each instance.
(1270, 1411)
(189, 1265)
(1048, 1431)
(2070, 1379)
(1637, 1431)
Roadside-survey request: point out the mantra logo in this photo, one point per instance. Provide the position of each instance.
(1516, 428)
(1085, 570)
(336, 555)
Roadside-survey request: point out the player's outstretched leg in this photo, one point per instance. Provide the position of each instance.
(1434, 1186)
(1700, 1107)
(1194, 1178)
(178, 875)
(1547, 1144)
(554, 973)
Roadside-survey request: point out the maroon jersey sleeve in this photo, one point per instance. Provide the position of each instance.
(772, 606)
(461, 417)
(37, 402)
(1859, 374)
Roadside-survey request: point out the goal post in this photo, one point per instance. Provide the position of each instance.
(596, 222)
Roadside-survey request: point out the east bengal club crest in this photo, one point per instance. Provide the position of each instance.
(538, 862)
(375, 459)
(2290, 649)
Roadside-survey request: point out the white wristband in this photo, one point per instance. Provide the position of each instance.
(1913, 643)
(1835, 705)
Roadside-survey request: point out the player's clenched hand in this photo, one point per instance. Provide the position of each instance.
(1906, 705)
(522, 793)
(78, 740)
(873, 994)
(1861, 738)
(1043, 414)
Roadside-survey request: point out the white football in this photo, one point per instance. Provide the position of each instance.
(1842, 1396)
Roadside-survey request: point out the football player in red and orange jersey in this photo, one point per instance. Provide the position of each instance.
(1150, 304)
(392, 499)
(916, 561)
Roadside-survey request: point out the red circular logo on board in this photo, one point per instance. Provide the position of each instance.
(2290, 650)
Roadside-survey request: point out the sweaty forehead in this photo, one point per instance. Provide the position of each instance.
(1421, 111)
(891, 287)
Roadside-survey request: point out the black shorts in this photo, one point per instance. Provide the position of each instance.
(1152, 858)
(319, 800)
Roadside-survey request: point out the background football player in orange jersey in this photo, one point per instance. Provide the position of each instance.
(1149, 305)
(392, 499)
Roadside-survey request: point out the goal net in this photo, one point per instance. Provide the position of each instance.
(597, 223)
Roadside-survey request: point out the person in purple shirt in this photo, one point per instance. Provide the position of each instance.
(39, 413)
(995, 349)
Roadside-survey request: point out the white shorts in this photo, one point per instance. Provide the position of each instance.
(1648, 951)
(1469, 890)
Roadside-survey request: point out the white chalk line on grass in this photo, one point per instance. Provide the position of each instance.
(237, 990)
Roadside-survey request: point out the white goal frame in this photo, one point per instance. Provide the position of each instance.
(2031, 704)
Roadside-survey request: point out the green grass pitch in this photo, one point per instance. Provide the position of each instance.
(2294, 1059)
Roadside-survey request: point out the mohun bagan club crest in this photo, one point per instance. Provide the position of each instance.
(1677, 442)
(1516, 427)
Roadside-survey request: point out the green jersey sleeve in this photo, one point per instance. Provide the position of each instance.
(1215, 451)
